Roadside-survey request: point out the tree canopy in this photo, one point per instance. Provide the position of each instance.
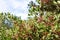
(43, 25)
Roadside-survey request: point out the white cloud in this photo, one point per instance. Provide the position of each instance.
(3, 6)
(17, 7)
(14, 3)
(23, 15)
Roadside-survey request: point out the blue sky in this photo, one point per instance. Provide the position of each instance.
(15, 7)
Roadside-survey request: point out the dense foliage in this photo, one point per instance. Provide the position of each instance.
(43, 22)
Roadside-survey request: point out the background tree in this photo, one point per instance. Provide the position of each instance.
(46, 14)
(43, 22)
